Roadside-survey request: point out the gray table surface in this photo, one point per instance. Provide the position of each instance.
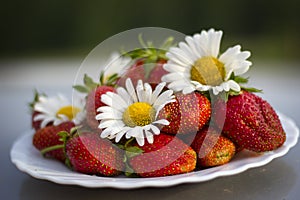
(279, 179)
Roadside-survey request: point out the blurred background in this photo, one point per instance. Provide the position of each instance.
(70, 28)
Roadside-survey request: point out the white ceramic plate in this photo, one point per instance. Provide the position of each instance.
(29, 160)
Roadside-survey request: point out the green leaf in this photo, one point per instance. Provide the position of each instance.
(88, 81)
(252, 89)
(133, 151)
(81, 88)
(240, 79)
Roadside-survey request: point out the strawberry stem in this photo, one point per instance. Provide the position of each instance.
(52, 148)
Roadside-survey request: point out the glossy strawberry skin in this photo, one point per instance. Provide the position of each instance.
(212, 148)
(252, 123)
(135, 72)
(157, 72)
(48, 137)
(188, 114)
(93, 103)
(167, 156)
(90, 154)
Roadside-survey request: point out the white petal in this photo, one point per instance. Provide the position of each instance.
(156, 92)
(131, 90)
(189, 51)
(162, 121)
(174, 57)
(165, 96)
(117, 101)
(39, 117)
(140, 91)
(149, 137)
(155, 130)
(111, 123)
(214, 42)
(188, 90)
(102, 116)
(193, 45)
(226, 86)
(234, 86)
(148, 92)
(46, 121)
(173, 67)
(140, 141)
(174, 76)
(181, 55)
(124, 94)
(179, 85)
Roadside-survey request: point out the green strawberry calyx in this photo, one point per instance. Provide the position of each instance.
(35, 100)
(241, 81)
(149, 53)
(130, 152)
(90, 85)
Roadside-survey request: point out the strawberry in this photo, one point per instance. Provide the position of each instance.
(157, 72)
(188, 114)
(252, 123)
(212, 148)
(167, 155)
(93, 103)
(94, 92)
(89, 154)
(135, 72)
(148, 62)
(48, 141)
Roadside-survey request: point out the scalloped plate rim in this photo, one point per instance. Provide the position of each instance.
(68, 177)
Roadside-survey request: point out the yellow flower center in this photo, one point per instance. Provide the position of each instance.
(139, 114)
(208, 71)
(69, 111)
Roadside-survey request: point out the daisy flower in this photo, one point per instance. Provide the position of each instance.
(133, 111)
(196, 64)
(58, 109)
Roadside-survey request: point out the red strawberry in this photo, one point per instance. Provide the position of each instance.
(93, 103)
(157, 72)
(188, 114)
(48, 141)
(167, 155)
(212, 148)
(135, 72)
(90, 154)
(252, 123)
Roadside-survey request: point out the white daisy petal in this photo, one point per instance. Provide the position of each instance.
(140, 91)
(234, 85)
(162, 121)
(118, 101)
(149, 137)
(163, 98)
(172, 67)
(188, 51)
(156, 92)
(108, 115)
(154, 129)
(181, 55)
(131, 90)
(192, 44)
(126, 97)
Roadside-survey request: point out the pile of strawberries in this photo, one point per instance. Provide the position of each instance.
(196, 138)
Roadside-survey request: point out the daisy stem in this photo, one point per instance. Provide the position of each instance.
(51, 148)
